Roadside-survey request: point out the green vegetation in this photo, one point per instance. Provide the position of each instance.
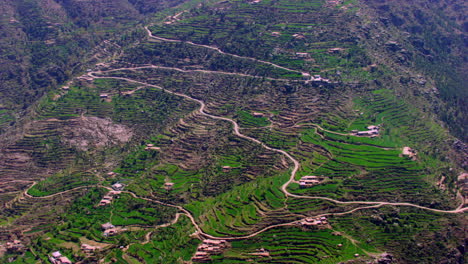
(62, 182)
(243, 209)
(184, 171)
(133, 216)
(293, 245)
(250, 30)
(246, 119)
(167, 245)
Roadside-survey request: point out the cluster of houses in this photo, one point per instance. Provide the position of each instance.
(314, 221)
(116, 190)
(57, 258)
(296, 36)
(208, 248)
(315, 78)
(309, 181)
(15, 246)
(410, 153)
(151, 147)
(88, 249)
(110, 229)
(372, 131)
(318, 78)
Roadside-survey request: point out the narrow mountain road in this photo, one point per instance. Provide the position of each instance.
(55, 194)
(296, 163)
(185, 211)
(236, 130)
(150, 34)
(148, 235)
(150, 66)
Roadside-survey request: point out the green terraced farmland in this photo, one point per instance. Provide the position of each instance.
(212, 120)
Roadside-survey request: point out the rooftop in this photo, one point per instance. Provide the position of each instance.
(107, 225)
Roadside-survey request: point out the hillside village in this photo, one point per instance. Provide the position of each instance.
(230, 133)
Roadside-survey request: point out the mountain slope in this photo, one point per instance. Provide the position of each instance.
(212, 120)
(44, 43)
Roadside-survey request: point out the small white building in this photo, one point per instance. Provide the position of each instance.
(118, 186)
(316, 78)
(151, 147)
(302, 55)
(410, 153)
(168, 185)
(367, 133)
(104, 202)
(57, 258)
(298, 36)
(372, 131)
(110, 232)
(309, 181)
(88, 248)
(314, 221)
(107, 226)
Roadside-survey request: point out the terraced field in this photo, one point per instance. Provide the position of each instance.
(293, 245)
(209, 125)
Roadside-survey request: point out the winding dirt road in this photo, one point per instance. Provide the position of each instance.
(236, 130)
(151, 66)
(150, 34)
(296, 163)
(55, 194)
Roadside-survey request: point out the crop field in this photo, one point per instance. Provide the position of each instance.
(355, 169)
(244, 209)
(248, 30)
(295, 245)
(193, 57)
(173, 240)
(62, 182)
(247, 120)
(210, 133)
(125, 212)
